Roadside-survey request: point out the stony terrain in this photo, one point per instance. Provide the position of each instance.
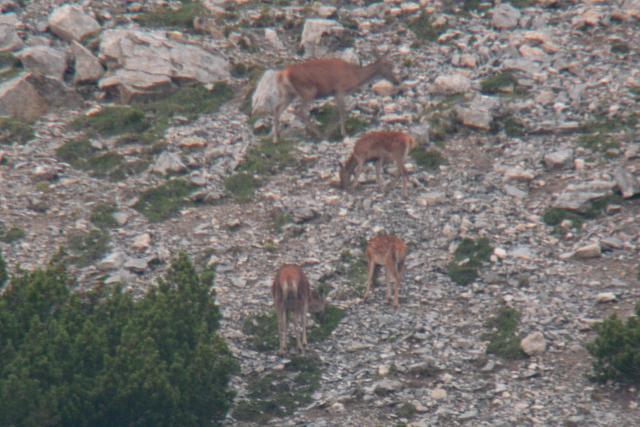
(562, 133)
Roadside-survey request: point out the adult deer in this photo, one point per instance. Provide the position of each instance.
(389, 251)
(315, 79)
(379, 147)
(292, 294)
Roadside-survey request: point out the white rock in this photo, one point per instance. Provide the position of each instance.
(505, 17)
(168, 163)
(606, 297)
(314, 30)
(141, 242)
(559, 159)
(592, 250)
(87, 67)
(519, 174)
(18, 98)
(449, 84)
(70, 22)
(272, 37)
(534, 344)
(438, 393)
(500, 253)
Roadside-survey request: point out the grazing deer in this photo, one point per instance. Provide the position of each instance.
(320, 78)
(389, 251)
(379, 147)
(292, 294)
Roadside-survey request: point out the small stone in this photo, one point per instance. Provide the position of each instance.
(141, 242)
(137, 265)
(449, 84)
(519, 174)
(383, 370)
(384, 88)
(603, 297)
(336, 408)
(438, 393)
(193, 142)
(558, 159)
(431, 198)
(534, 344)
(592, 250)
(500, 253)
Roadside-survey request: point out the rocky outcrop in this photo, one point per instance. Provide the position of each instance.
(71, 22)
(9, 38)
(44, 60)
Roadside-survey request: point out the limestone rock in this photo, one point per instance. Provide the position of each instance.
(141, 242)
(168, 163)
(505, 17)
(559, 159)
(88, 68)
(450, 84)
(44, 60)
(475, 118)
(18, 98)
(534, 344)
(272, 37)
(70, 22)
(314, 30)
(9, 38)
(626, 182)
(592, 250)
(266, 96)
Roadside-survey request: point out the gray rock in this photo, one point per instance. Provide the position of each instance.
(9, 38)
(312, 33)
(18, 98)
(44, 60)
(534, 344)
(505, 17)
(626, 182)
(70, 22)
(387, 386)
(592, 250)
(137, 265)
(476, 119)
(87, 67)
(559, 159)
(167, 163)
(112, 261)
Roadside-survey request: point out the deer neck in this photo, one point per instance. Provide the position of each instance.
(366, 73)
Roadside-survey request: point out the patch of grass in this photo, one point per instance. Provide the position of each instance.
(241, 186)
(167, 17)
(428, 159)
(75, 152)
(279, 393)
(442, 125)
(602, 134)
(82, 155)
(406, 410)
(102, 216)
(14, 130)
(513, 127)
(113, 121)
(616, 350)
(278, 219)
(503, 336)
(329, 121)
(10, 66)
(163, 202)
(619, 47)
(504, 82)
(87, 248)
(262, 329)
(267, 158)
(354, 270)
(555, 216)
(468, 259)
(597, 142)
(105, 165)
(423, 28)
(12, 235)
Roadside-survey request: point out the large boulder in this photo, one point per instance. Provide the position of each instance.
(88, 67)
(44, 60)
(313, 32)
(70, 22)
(18, 98)
(9, 38)
(145, 62)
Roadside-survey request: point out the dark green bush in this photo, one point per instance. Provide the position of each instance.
(617, 349)
(503, 336)
(14, 130)
(3, 271)
(105, 359)
(164, 201)
(467, 260)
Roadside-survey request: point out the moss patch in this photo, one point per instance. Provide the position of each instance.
(428, 159)
(12, 235)
(504, 82)
(113, 121)
(278, 219)
(87, 248)
(424, 29)
(165, 201)
(468, 259)
(602, 134)
(503, 336)
(99, 164)
(14, 130)
(279, 393)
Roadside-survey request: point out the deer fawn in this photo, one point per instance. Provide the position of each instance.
(320, 78)
(389, 251)
(379, 147)
(292, 294)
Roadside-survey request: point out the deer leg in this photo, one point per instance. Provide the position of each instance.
(379, 175)
(277, 112)
(372, 268)
(304, 323)
(357, 173)
(303, 114)
(402, 172)
(396, 277)
(282, 329)
(340, 105)
(389, 281)
(296, 322)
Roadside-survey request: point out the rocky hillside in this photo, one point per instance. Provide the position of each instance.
(126, 138)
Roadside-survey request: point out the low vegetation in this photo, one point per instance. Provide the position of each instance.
(10, 66)
(88, 247)
(14, 131)
(11, 235)
(329, 120)
(279, 392)
(428, 159)
(166, 200)
(424, 28)
(104, 358)
(102, 216)
(468, 259)
(354, 270)
(602, 134)
(98, 163)
(616, 349)
(575, 219)
(504, 339)
(179, 18)
(502, 83)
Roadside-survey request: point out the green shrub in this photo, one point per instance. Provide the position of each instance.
(617, 349)
(3, 271)
(241, 186)
(503, 82)
(428, 159)
(468, 259)
(164, 201)
(329, 121)
(10, 66)
(503, 336)
(555, 216)
(14, 130)
(423, 28)
(11, 235)
(105, 359)
(166, 17)
(102, 216)
(113, 121)
(87, 248)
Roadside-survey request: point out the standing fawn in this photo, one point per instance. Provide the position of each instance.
(292, 294)
(389, 251)
(379, 147)
(320, 78)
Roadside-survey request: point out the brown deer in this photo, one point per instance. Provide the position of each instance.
(379, 147)
(292, 294)
(320, 78)
(389, 251)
